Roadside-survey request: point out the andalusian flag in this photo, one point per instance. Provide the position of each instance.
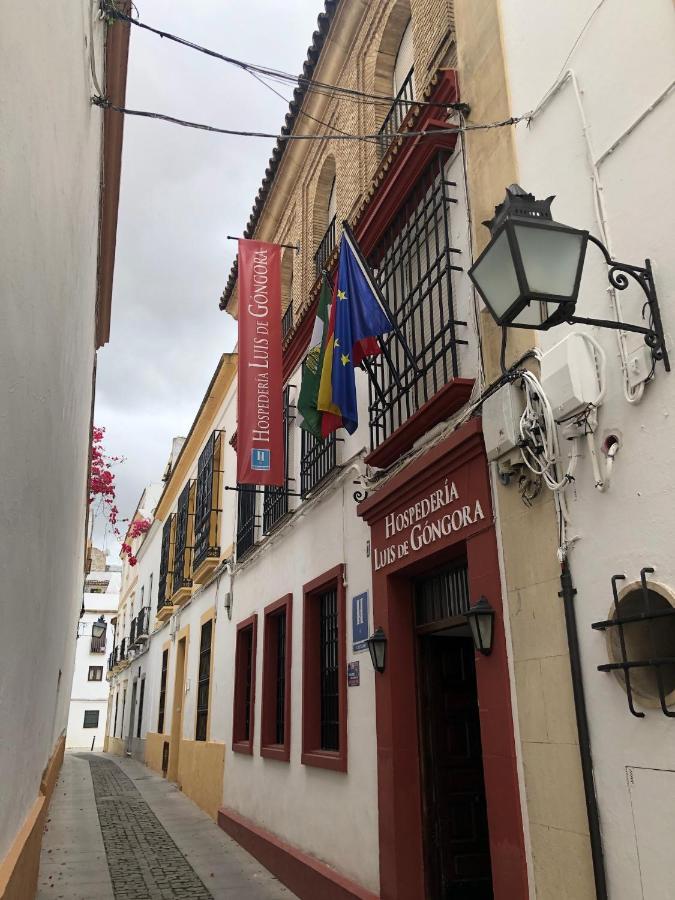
(309, 416)
(357, 319)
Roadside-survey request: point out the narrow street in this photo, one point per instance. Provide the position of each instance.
(116, 830)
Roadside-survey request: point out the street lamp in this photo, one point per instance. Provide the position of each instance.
(529, 273)
(482, 623)
(99, 627)
(377, 646)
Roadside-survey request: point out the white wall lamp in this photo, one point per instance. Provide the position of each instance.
(529, 274)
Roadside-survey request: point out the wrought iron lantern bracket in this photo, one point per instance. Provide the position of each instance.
(618, 275)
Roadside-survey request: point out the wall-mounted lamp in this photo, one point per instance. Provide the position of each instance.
(377, 647)
(482, 623)
(529, 274)
(99, 627)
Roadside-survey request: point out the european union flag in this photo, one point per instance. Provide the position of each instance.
(359, 320)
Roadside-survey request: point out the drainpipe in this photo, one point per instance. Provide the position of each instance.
(568, 593)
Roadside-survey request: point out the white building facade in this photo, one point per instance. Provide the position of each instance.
(89, 693)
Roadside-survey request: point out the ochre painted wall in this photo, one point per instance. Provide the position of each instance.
(154, 744)
(200, 773)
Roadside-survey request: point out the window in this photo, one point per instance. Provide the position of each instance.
(117, 703)
(162, 691)
(207, 503)
(244, 686)
(165, 588)
(95, 673)
(203, 684)
(324, 215)
(124, 706)
(246, 518)
(394, 74)
(318, 458)
(184, 538)
(276, 693)
(324, 688)
(275, 499)
(140, 708)
(90, 718)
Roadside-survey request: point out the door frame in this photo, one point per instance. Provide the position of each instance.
(180, 668)
(132, 713)
(460, 459)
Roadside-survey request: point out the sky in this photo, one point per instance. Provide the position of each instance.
(182, 192)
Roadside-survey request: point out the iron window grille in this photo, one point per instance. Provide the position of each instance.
(164, 587)
(651, 613)
(443, 596)
(287, 321)
(244, 686)
(330, 699)
(399, 110)
(318, 458)
(95, 673)
(183, 547)
(326, 247)
(111, 660)
(142, 623)
(117, 705)
(162, 692)
(132, 633)
(90, 718)
(246, 518)
(204, 681)
(123, 649)
(413, 264)
(207, 503)
(280, 698)
(141, 697)
(275, 499)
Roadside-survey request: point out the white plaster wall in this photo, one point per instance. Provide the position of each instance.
(49, 184)
(623, 62)
(78, 737)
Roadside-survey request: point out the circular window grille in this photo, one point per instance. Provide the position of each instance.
(647, 633)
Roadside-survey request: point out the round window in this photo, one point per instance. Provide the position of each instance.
(645, 639)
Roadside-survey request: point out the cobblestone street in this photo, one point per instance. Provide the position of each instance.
(116, 830)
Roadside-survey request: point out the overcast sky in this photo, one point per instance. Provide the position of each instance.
(182, 192)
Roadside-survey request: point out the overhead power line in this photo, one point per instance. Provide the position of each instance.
(145, 114)
(276, 74)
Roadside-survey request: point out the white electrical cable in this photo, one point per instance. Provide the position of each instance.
(92, 61)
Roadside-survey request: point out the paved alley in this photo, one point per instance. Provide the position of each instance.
(116, 830)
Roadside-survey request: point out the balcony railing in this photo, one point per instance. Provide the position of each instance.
(275, 499)
(246, 518)
(287, 321)
(414, 264)
(326, 247)
(123, 649)
(207, 503)
(318, 458)
(142, 625)
(184, 540)
(98, 644)
(112, 659)
(399, 110)
(132, 633)
(164, 588)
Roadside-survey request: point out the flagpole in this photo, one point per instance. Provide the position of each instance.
(380, 296)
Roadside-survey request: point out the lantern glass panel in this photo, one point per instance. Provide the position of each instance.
(98, 629)
(550, 258)
(495, 275)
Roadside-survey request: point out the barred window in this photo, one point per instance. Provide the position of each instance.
(140, 708)
(276, 693)
(207, 501)
(164, 588)
(275, 499)
(204, 681)
(182, 567)
(244, 686)
(328, 651)
(117, 703)
(162, 691)
(246, 518)
(318, 458)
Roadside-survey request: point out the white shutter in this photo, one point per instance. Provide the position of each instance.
(404, 58)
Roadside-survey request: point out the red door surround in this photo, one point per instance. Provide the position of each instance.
(437, 508)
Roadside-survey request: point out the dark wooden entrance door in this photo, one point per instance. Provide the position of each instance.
(456, 830)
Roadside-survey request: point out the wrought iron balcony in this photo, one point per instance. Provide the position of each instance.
(207, 503)
(164, 585)
(326, 247)
(275, 499)
(287, 321)
(184, 540)
(318, 458)
(123, 650)
(246, 518)
(98, 644)
(399, 110)
(414, 264)
(112, 659)
(143, 625)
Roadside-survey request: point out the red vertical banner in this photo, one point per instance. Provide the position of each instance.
(260, 441)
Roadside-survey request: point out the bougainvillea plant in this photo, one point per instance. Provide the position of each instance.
(102, 481)
(137, 528)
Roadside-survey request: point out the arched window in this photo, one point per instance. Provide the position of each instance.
(394, 70)
(324, 214)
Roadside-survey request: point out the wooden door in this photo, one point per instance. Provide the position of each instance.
(456, 830)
